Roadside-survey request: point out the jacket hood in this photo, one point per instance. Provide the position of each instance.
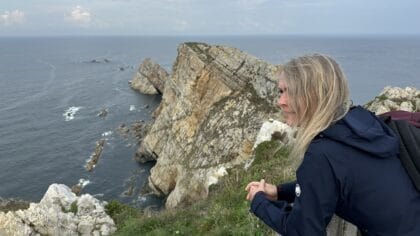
(362, 130)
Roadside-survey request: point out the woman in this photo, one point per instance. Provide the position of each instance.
(348, 161)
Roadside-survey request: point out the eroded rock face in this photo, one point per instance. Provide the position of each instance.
(394, 98)
(212, 108)
(53, 216)
(150, 78)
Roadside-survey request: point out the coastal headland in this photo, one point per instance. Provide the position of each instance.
(216, 128)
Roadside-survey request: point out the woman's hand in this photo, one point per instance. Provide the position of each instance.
(254, 187)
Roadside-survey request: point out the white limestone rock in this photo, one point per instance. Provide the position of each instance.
(52, 216)
(285, 133)
(394, 98)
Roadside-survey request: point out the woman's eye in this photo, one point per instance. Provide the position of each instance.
(281, 91)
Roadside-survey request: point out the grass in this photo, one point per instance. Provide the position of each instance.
(73, 208)
(224, 212)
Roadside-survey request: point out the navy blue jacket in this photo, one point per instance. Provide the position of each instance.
(350, 169)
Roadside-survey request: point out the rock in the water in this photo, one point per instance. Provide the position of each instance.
(102, 113)
(123, 130)
(150, 78)
(60, 212)
(212, 108)
(96, 155)
(394, 98)
(77, 188)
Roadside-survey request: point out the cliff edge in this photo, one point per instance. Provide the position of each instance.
(212, 107)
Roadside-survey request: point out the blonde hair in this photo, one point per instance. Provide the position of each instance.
(318, 93)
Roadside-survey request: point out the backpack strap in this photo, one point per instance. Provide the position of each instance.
(409, 136)
(411, 117)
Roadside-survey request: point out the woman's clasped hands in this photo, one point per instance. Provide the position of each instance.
(269, 190)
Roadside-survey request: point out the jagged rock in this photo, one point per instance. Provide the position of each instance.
(123, 130)
(394, 98)
(139, 129)
(96, 155)
(53, 216)
(77, 188)
(102, 113)
(150, 78)
(100, 61)
(211, 110)
(275, 130)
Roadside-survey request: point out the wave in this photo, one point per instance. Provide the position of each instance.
(83, 182)
(132, 108)
(107, 133)
(70, 113)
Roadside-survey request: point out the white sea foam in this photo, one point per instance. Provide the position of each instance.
(83, 182)
(98, 195)
(70, 113)
(132, 108)
(107, 133)
(142, 198)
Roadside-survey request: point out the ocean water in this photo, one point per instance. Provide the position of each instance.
(51, 90)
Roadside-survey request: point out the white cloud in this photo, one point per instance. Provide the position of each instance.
(80, 15)
(12, 17)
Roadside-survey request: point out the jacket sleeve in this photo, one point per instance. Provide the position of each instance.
(286, 192)
(314, 204)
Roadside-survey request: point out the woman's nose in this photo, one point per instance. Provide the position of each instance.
(282, 101)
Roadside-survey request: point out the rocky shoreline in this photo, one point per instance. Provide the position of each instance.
(217, 105)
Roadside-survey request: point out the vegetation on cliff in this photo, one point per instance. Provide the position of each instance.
(225, 212)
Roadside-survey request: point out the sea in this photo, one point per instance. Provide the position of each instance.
(53, 88)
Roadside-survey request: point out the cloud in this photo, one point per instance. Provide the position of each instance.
(12, 17)
(80, 15)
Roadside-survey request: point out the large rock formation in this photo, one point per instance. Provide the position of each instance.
(394, 98)
(150, 78)
(212, 108)
(60, 212)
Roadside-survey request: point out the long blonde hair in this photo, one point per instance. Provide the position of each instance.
(318, 93)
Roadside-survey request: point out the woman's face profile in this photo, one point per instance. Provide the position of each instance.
(283, 101)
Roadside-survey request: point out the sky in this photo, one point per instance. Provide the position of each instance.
(209, 17)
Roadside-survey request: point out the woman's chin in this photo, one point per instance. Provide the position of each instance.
(290, 120)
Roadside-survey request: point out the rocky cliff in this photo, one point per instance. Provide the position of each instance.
(150, 78)
(212, 108)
